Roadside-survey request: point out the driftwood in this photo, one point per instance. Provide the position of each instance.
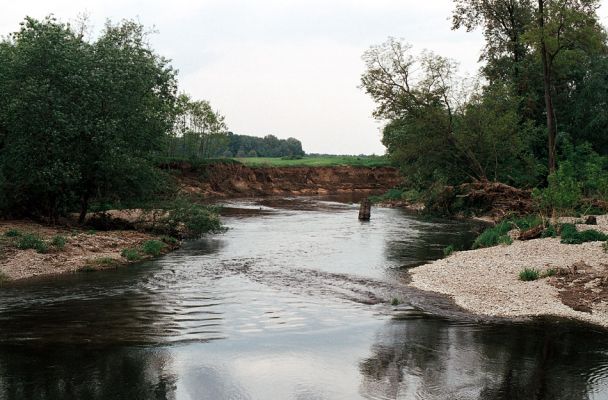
(532, 233)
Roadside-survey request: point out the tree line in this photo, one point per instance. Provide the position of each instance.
(536, 115)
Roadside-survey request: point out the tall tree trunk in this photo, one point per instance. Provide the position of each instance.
(551, 128)
(84, 207)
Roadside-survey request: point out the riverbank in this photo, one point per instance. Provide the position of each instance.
(486, 281)
(58, 250)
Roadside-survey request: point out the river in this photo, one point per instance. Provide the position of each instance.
(293, 302)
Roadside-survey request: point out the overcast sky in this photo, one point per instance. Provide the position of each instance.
(281, 67)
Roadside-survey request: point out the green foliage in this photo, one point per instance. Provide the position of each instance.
(13, 233)
(318, 161)
(549, 272)
(58, 242)
(186, 219)
(563, 194)
(570, 235)
(550, 231)
(80, 119)
(494, 236)
(448, 250)
(130, 254)
(529, 274)
(170, 240)
(32, 241)
(153, 247)
(395, 301)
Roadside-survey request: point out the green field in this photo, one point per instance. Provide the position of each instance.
(317, 161)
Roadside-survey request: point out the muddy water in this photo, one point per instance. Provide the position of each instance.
(293, 302)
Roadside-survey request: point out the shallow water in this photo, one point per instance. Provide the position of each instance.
(293, 302)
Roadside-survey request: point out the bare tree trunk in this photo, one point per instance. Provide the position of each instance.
(551, 128)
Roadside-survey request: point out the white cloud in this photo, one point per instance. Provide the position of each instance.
(290, 68)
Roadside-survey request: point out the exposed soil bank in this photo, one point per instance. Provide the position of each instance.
(234, 180)
(83, 250)
(486, 281)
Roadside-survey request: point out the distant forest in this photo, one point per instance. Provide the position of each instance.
(268, 146)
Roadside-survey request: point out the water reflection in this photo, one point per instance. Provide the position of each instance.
(64, 372)
(434, 359)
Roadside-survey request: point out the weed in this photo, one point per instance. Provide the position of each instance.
(152, 247)
(58, 242)
(170, 240)
(101, 262)
(12, 233)
(448, 250)
(529, 274)
(605, 246)
(549, 272)
(395, 302)
(571, 236)
(130, 254)
(493, 236)
(32, 241)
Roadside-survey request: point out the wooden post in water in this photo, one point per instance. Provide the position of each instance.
(365, 210)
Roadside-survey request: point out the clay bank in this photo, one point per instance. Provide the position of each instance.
(237, 180)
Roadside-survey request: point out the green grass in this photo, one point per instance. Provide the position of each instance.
(570, 235)
(395, 302)
(448, 250)
(549, 272)
(152, 247)
(12, 233)
(32, 241)
(317, 161)
(494, 236)
(131, 254)
(58, 242)
(529, 274)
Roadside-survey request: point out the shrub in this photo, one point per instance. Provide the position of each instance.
(549, 272)
(494, 236)
(571, 236)
(550, 231)
(395, 301)
(130, 254)
(529, 274)
(562, 194)
(32, 241)
(170, 240)
(58, 242)
(448, 250)
(12, 233)
(152, 247)
(189, 220)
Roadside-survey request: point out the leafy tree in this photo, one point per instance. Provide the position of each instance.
(80, 119)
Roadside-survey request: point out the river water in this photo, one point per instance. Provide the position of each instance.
(293, 302)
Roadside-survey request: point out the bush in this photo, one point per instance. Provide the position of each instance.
(571, 236)
(563, 194)
(130, 254)
(58, 242)
(550, 231)
(170, 240)
(12, 233)
(448, 250)
(153, 247)
(529, 274)
(32, 241)
(494, 236)
(189, 220)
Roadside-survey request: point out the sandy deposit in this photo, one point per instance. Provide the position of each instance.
(83, 250)
(486, 281)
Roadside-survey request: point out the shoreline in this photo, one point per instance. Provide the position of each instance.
(83, 251)
(486, 281)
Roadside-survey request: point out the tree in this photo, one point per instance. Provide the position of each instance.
(80, 119)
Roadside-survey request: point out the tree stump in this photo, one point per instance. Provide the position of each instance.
(365, 210)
